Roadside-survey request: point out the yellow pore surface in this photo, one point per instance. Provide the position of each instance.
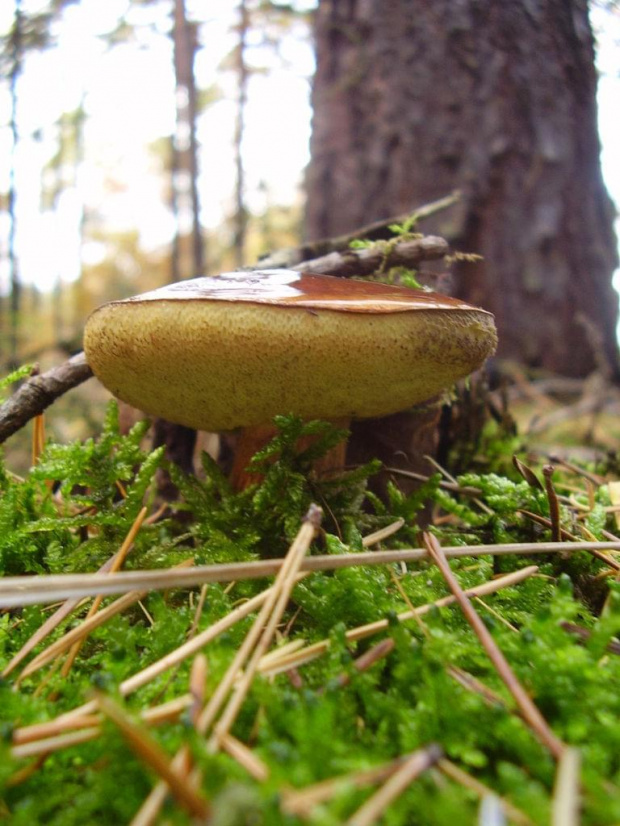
(216, 365)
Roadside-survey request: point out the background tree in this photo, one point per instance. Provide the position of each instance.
(243, 76)
(412, 100)
(29, 32)
(185, 147)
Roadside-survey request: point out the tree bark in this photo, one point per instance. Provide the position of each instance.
(185, 146)
(240, 219)
(414, 99)
(17, 56)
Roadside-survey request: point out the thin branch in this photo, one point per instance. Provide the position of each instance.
(372, 232)
(367, 261)
(36, 394)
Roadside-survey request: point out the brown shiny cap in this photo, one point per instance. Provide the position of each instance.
(289, 288)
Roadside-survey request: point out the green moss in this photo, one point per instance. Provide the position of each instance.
(329, 718)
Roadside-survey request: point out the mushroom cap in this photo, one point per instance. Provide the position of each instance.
(237, 349)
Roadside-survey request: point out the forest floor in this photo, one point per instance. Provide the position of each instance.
(466, 673)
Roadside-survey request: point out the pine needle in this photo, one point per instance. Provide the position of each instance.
(119, 559)
(457, 774)
(32, 590)
(372, 810)
(566, 793)
(301, 802)
(145, 747)
(261, 634)
(312, 652)
(529, 711)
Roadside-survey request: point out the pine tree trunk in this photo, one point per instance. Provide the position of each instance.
(414, 99)
(243, 76)
(15, 285)
(185, 148)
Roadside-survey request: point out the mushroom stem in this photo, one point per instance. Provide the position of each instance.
(253, 439)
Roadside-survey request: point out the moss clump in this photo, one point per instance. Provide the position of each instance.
(328, 717)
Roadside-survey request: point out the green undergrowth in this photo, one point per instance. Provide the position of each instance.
(75, 507)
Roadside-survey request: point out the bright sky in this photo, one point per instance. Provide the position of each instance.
(607, 26)
(128, 92)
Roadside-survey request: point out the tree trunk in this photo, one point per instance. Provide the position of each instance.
(185, 194)
(414, 99)
(243, 76)
(15, 285)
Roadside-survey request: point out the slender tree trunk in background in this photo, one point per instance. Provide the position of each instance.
(175, 173)
(14, 278)
(179, 440)
(66, 165)
(185, 153)
(242, 84)
(78, 122)
(414, 99)
(57, 169)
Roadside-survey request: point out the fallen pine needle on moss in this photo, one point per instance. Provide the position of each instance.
(22, 591)
(148, 750)
(528, 710)
(411, 768)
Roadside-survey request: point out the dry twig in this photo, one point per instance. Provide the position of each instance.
(38, 392)
(371, 232)
(349, 263)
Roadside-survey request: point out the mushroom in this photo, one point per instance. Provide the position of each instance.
(233, 351)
